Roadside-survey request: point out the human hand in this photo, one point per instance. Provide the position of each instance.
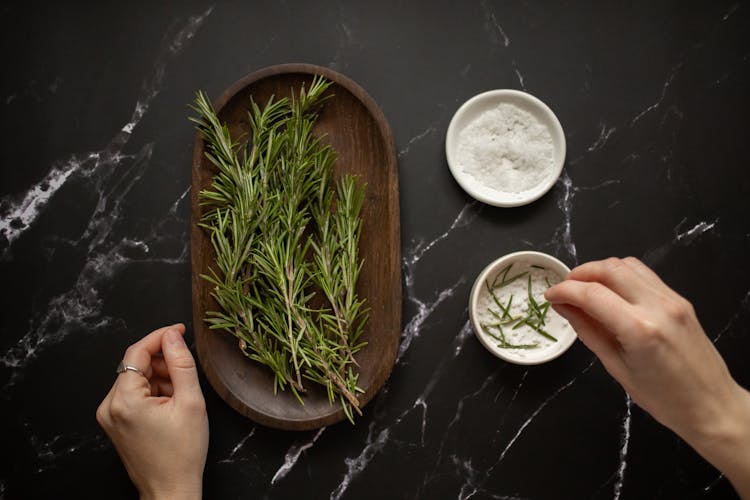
(649, 339)
(157, 421)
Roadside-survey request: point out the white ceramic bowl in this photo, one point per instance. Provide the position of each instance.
(475, 106)
(565, 334)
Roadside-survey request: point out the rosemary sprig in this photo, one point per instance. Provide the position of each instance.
(283, 231)
(536, 313)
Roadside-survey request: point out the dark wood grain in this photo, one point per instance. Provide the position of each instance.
(357, 130)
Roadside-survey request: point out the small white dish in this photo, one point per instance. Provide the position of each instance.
(469, 111)
(557, 326)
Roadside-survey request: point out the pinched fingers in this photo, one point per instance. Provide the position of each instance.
(183, 372)
(159, 367)
(619, 275)
(597, 301)
(161, 386)
(141, 355)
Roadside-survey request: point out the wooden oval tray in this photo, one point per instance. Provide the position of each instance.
(354, 126)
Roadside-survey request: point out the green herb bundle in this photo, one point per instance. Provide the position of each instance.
(286, 238)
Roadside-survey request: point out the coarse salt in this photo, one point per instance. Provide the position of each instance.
(507, 149)
(488, 310)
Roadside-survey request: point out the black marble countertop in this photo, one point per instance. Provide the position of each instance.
(95, 215)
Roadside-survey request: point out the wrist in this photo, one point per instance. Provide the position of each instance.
(181, 492)
(725, 441)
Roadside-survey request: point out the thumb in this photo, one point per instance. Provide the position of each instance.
(180, 365)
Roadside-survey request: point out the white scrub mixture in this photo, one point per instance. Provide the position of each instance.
(506, 149)
(512, 312)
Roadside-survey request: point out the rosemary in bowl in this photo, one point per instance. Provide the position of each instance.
(286, 239)
(509, 314)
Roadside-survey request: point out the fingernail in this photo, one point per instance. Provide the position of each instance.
(173, 336)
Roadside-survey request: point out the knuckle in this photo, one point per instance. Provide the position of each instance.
(183, 361)
(130, 351)
(119, 410)
(631, 260)
(612, 263)
(649, 329)
(195, 403)
(648, 332)
(101, 416)
(680, 310)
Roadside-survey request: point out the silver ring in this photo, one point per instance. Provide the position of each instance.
(122, 367)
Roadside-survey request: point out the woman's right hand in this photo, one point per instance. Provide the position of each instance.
(649, 339)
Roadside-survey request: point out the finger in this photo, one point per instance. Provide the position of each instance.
(595, 337)
(597, 301)
(161, 386)
(615, 275)
(103, 411)
(159, 367)
(647, 274)
(589, 331)
(139, 355)
(181, 365)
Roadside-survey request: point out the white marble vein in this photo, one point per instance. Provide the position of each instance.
(563, 238)
(112, 193)
(604, 135)
(566, 191)
(33, 90)
(413, 327)
(518, 75)
(624, 442)
(421, 401)
(428, 131)
(688, 236)
(188, 32)
(665, 87)
(20, 211)
(465, 216)
(50, 452)
(681, 237)
(346, 40)
(536, 412)
(518, 388)
(81, 304)
(375, 443)
(730, 326)
(729, 73)
(292, 456)
(376, 440)
(113, 177)
(458, 414)
(713, 483)
(732, 9)
(471, 486)
(231, 457)
(492, 27)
